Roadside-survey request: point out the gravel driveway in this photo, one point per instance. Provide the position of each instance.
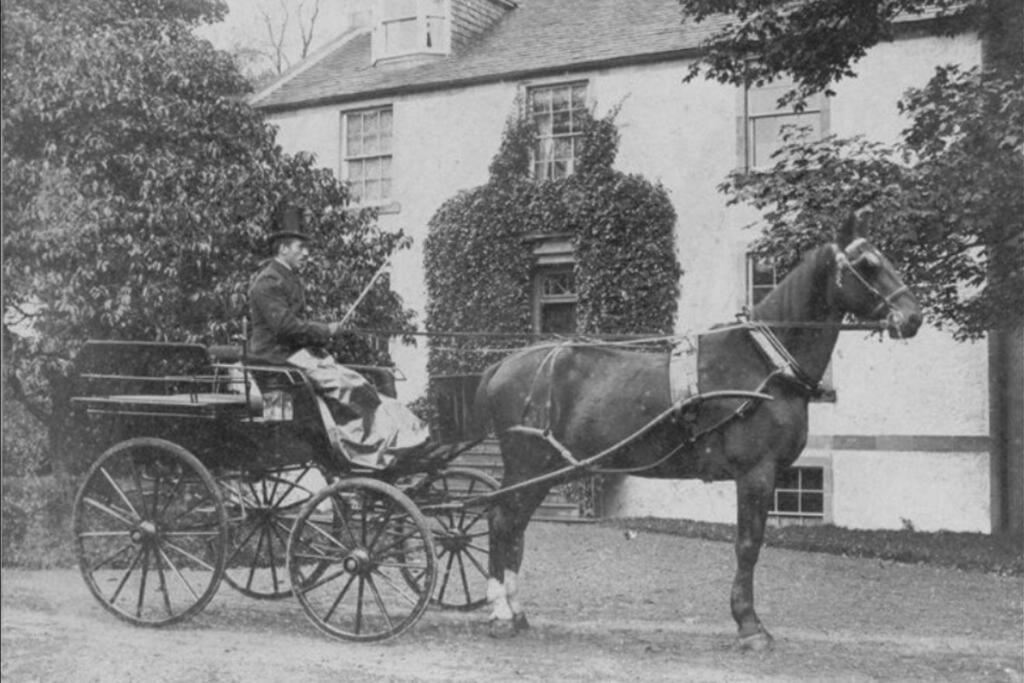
(602, 607)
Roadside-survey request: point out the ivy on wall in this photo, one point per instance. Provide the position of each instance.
(479, 267)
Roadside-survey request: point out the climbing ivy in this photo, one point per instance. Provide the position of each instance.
(479, 266)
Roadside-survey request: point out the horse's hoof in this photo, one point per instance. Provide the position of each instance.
(761, 641)
(502, 628)
(519, 622)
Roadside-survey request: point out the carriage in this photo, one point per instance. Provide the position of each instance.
(214, 469)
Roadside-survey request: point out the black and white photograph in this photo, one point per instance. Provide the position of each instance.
(512, 340)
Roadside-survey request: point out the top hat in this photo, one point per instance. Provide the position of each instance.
(289, 223)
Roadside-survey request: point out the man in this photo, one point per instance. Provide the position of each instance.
(282, 335)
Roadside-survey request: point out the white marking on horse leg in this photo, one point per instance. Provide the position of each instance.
(497, 596)
(512, 592)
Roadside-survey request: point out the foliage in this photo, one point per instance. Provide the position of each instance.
(479, 266)
(138, 189)
(817, 42)
(945, 202)
(35, 523)
(992, 554)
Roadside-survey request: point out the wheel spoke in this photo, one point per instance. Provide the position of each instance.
(181, 551)
(120, 492)
(341, 595)
(380, 602)
(111, 511)
(124, 579)
(181, 577)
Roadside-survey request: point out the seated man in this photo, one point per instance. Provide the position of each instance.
(373, 426)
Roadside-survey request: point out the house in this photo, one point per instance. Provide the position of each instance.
(409, 106)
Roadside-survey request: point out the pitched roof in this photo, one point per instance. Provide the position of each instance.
(539, 36)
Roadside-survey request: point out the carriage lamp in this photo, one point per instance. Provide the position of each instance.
(277, 406)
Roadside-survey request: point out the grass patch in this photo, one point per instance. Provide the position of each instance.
(36, 523)
(994, 554)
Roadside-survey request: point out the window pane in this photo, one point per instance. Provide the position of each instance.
(355, 170)
(813, 503)
(579, 96)
(561, 123)
(541, 100)
(812, 478)
(560, 99)
(385, 188)
(400, 36)
(560, 169)
(563, 148)
(767, 133)
(788, 478)
(787, 501)
(558, 318)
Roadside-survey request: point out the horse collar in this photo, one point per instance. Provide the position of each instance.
(785, 365)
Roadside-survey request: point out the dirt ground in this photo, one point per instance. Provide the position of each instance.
(602, 608)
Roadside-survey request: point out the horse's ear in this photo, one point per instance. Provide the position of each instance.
(851, 229)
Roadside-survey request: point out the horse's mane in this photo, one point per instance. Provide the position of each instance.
(791, 294)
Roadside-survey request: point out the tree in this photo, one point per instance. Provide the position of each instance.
(138, 189)
(949, 197)
(966, 124)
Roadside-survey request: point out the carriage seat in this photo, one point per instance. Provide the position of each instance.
(226, 353)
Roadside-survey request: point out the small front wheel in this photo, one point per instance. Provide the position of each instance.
(348, 553)
(150, 530)
(461, 533)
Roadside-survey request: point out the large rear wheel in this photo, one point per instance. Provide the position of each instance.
(348, 553)
(150, 532)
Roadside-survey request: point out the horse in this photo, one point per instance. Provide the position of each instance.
(558, 403)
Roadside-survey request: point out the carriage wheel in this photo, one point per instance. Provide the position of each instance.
(348, 553)
(262, 512)
(461, 536)
(150, 532)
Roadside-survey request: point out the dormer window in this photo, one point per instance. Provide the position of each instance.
(410, 28)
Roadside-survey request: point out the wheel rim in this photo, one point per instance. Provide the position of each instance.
(348, 553)
(461, 536)
(261, 514)
(150, 532)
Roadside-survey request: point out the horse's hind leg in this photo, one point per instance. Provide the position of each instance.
(753, 498)
(508, 519)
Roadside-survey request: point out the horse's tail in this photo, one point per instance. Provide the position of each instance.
(480, 415)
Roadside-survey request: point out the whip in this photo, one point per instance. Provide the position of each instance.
(366, 289)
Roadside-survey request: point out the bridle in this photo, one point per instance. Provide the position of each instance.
(845, 265)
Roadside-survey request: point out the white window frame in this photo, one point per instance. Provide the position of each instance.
(547, 153)
(779, 518)
(759, 107)
(383, 154)
(425, 15)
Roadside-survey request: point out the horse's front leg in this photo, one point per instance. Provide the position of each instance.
(753, 497)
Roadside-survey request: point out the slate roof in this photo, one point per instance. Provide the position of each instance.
(537, 37)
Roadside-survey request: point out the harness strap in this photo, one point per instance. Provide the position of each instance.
(785, 365)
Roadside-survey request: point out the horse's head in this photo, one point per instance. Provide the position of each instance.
(867, 285)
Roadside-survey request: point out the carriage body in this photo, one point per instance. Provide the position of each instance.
(208, 469)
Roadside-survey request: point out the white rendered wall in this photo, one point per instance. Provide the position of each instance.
(683, 135)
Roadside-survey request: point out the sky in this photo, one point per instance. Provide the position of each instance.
(245, 27)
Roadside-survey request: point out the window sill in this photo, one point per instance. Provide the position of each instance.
(383, 208)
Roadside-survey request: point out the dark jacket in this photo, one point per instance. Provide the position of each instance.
(277, 303)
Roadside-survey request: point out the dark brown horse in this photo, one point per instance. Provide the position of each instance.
(550, 404)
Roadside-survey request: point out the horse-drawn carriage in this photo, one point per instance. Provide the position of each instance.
(213, 470)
